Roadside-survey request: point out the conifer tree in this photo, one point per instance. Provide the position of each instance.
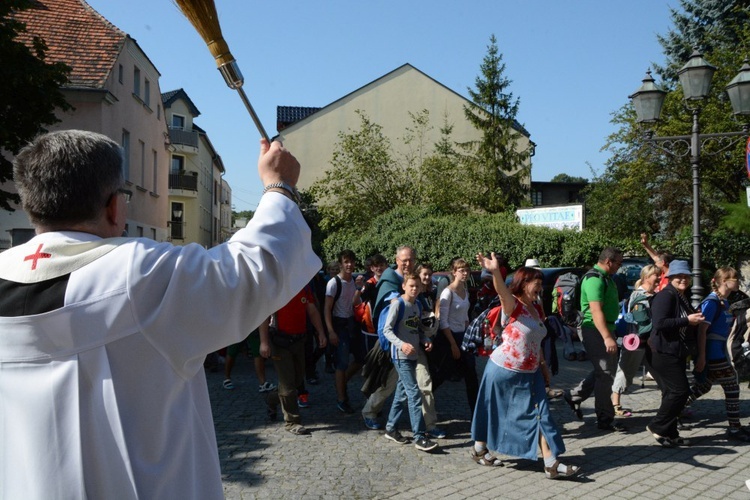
(499, 161)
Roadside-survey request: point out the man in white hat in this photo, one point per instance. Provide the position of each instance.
(532, 263)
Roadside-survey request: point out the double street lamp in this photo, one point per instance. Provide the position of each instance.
(695, 79)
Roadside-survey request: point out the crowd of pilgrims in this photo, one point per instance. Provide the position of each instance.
(424, 341)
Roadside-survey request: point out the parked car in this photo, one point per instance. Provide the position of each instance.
(550, 275)
(631, 269)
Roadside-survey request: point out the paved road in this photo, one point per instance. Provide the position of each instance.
(342, 459)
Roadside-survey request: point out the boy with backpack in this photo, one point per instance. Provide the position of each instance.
(339, 318)
(403, 330)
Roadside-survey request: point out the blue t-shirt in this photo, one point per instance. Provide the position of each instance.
(716, 311)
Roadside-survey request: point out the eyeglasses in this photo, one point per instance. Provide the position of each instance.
(127, 192)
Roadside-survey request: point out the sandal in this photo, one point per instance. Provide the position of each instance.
(298, 430)
(484, 457)
(553, 393)
(622, 412)
(561, 471)
(228, 384)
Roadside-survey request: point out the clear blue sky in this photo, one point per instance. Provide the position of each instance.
(572, 63)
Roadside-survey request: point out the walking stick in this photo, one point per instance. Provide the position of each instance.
(202, 15)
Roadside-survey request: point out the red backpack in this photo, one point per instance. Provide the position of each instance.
(363, 312)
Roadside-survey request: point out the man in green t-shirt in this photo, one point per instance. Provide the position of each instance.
(600, 308)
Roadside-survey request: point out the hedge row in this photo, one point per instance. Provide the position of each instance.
(439, 237)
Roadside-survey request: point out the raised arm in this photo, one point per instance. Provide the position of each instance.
(507, 299)
(649, 249)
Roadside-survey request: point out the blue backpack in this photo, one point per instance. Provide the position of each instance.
(624, 320)
(385, 344)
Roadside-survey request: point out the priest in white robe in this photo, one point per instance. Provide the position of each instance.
(102, 338)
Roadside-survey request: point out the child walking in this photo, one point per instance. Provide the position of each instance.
(403, 330)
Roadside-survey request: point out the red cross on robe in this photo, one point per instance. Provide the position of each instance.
(34, 257)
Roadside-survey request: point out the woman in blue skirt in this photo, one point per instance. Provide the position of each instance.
(512, 413)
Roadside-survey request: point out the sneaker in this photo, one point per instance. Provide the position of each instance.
(611, 427)
(662, 440)
(425, 444)
(574, 405)
(396, 437)
(372, 424)
(266, 387)
(436, 433)
(344, 407)
(303, 401)
(738, 434)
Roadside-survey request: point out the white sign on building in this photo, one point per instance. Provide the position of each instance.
(555, 217)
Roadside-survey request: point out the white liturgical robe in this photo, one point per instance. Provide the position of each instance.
(106, 397)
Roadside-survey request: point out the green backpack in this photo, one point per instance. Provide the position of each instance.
(640, 309)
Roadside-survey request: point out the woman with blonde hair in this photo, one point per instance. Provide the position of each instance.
(629, 361)
(718, 368)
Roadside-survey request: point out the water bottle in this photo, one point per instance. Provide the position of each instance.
(746, 350)
(486, 347)
(487, 336)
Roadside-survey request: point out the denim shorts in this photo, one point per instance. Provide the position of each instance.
(344, 327)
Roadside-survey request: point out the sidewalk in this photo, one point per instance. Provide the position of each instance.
(342, 459)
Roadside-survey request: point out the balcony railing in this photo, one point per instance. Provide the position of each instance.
(183, 181)
(183, 137)
(177, 230)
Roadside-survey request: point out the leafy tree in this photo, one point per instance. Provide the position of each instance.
(568, 178)
(363, 179)
(652, 186)
(367, 178)
(243, 214)
(442, 181)
(29, 90)
(496, 163)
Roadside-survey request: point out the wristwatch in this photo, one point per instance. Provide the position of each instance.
(293, 193)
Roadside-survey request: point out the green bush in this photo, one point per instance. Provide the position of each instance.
(439, 237)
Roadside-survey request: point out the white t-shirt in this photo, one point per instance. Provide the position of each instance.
(342, 308)
(454, 311)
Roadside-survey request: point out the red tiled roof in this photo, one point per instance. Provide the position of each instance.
(76, 35)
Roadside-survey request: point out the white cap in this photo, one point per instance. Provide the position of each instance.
(532, 263)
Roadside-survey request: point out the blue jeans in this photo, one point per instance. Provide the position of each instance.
(407, 394)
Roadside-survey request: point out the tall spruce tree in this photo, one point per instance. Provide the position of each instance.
(29, 90)
(498, 162)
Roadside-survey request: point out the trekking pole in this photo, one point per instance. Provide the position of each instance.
(202, 15)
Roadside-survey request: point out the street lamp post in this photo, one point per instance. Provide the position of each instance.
(695, 79)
